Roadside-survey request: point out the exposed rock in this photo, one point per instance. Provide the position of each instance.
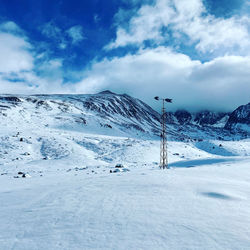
(119, 166)
(183, 116)
(12, 99)
(239, 118)
(208, 117)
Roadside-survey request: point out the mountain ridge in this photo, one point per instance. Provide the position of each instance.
(107, 111)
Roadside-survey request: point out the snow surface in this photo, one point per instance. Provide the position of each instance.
(73, 201)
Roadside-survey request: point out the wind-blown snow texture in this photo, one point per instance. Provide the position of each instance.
(77, 199)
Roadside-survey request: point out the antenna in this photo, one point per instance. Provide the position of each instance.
(163, 146)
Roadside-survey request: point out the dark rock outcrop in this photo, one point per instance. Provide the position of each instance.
(183, 116)
(208, 118)
(239, 117)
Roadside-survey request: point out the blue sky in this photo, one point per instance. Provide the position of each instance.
(195, 51)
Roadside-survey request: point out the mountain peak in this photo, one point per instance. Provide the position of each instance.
(239, 118)
(106, 92)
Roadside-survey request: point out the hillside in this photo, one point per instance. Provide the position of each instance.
(239, 120)
(60, 187)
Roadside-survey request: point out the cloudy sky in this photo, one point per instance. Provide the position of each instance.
(194, 51)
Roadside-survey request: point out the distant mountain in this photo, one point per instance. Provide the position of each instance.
(202, 118)
(109, 113)
(239, 119)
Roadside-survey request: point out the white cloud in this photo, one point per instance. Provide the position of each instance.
(76, 34)
(51, 70)
(189, 18)
(55, 33)
(228, 36)
(17, 65)
(51, 30)
(221, 84)
(10, 27)
(96, 18)
(145, 25)
(15, 55)
(62, 37)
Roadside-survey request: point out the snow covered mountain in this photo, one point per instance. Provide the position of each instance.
(108, 113)
(202, 118)
(239, 119)
(54, 126)
(103, 113)
(77, 198)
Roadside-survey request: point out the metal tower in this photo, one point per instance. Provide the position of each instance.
(163, 147)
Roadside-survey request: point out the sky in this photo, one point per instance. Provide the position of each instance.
(196, 52)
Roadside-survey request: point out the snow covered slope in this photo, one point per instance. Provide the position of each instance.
(105, 113)
(72, 201)
(203, 207)
(77, 199)
(55, 127)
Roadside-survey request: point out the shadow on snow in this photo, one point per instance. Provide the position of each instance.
(199, 162)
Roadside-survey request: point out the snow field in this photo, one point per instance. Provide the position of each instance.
(147, 208)
(73, 202)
